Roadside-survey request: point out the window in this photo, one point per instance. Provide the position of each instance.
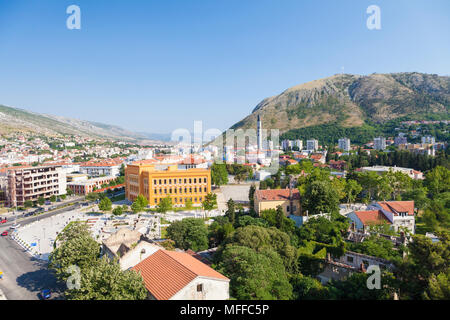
(349, 259)
(204, 180)
(170, 181)
(190, 190)
(179, 181)
(190, 180)
(170, 190)
(205, 189)
(159, 181)
(200, 288)
(165, 181)
(160, 191)
(165, 190)
(195, 189)
(195, 199)
(154, 181)
(195, 180)
(287, 208)
(185, 180)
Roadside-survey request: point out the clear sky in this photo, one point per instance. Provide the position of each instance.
(158, 65)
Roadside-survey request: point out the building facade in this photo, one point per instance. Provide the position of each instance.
(87, 186)
(288, 199)
(157, 182)
(344, 144)
(379, 143)
(312, 145)
(32, 183)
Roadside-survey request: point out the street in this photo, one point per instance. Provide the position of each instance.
(23, 275)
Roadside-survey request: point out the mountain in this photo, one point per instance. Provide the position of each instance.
(19, 120)
(353, 101)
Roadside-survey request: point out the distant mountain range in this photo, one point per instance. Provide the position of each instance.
(19, 120)
(349, 101)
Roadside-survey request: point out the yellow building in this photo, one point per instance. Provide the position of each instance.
(271, 199)
(156, 182)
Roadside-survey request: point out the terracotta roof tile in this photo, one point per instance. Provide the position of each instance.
(276, 194)
(398, 206)
(167, 272)
(372, 217)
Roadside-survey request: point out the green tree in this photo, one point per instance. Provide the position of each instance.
(438, 180)
(188, 204)
(189, 233)
(231, 211)
(260, 238)
(320, 197)
(106, 281)
(210, 202)
(219, 174)
(164, 205)
(41, 201)
(139, 204)
(117, 211)
(105, 205)
(76, 247)
(28, 204)
(255, 275)
(352, 189)
(69, 192)
(52, 198)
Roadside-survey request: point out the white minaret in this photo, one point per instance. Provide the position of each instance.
(259, 134)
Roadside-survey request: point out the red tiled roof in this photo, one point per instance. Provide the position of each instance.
(398, 206)
(371, 217)
(276, 194)
(167, 272)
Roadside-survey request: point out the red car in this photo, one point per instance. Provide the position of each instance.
(4, 233)
(4, 221)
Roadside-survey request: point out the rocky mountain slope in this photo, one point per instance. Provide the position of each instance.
(348, 100)
(15, 119)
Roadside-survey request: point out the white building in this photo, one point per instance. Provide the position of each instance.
(312, 145)
(174, 275)
(299, 144)
(344, 144)
(413, 174)
(428, 140)
(394, 213)
(379, 143)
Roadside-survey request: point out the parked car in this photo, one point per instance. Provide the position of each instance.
(3, 221)
(46, 294)
(15, 226)
(4, 233)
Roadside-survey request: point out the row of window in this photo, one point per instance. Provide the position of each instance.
(179, 181)
(180, 200)
(180, 190)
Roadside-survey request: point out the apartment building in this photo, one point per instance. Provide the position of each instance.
(156, 182)
(344, 144)
(379, 143)
(104, 168)
(312, 145)
(31, 183)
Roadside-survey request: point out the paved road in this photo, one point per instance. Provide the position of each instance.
(24, 276)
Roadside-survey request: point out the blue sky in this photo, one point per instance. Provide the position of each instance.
(158, 65)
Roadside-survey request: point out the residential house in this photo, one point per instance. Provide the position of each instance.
(173, 275)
